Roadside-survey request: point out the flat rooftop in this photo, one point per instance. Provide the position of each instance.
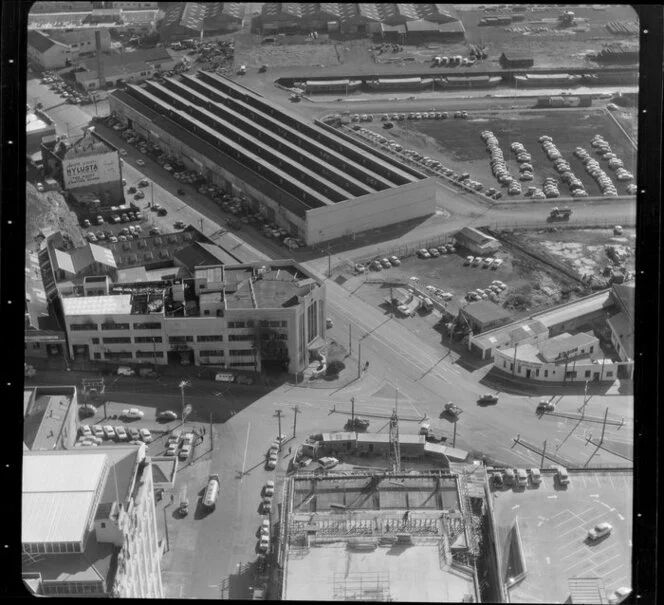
(553, 523)
(397, 573)
(44, 411)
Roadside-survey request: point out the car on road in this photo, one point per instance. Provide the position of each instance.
(423, 253)
(268, 489)
(546, 406)
(132, 413)
(266, 506)
(488, 398)
(477, 261)
(122, 151)
(146, 436)
(394, 261)
(264, 544)
(179, 225)
(599, 531)
(121, 433)
(271, 463)
(167, 415)
(360, 268)
(184, 452)
(497, 479)
(139, 195)
(143, 183)
(134, 435)
(140, 162)
(496, 263)
(155, 231)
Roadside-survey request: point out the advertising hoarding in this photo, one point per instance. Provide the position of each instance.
(91, 170)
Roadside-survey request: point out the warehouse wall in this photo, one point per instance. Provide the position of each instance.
(370, 211)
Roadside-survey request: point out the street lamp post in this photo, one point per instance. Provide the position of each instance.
(182, 385)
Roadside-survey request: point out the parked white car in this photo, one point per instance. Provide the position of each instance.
(599, 531)
(146, 436)
(132, 413)
(121, 433)
(268, 489)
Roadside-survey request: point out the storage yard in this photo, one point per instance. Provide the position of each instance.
(459, 145)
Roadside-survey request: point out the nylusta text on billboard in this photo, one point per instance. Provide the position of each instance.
(91, 170)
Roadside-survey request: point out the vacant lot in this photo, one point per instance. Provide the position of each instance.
(584, 250)
(555, 47)
(457, 143)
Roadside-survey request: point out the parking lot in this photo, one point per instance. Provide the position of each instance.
(554, 521)
(457, 143)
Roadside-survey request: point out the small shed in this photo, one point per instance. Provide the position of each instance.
(516, 60)
(483, 315)
(476, 241)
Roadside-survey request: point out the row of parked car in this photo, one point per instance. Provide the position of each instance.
(266, 508)
(378, 264)
(490, 292)
(94, 435)
(179, 444)
(435, 252)
(485, 262)
(66, 90)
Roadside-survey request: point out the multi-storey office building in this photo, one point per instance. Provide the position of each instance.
(89, 526)
(237, 316)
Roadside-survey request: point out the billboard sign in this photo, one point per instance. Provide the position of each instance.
(91, 170)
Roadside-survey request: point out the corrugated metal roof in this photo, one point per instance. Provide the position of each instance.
(58, 491)
(485, 311)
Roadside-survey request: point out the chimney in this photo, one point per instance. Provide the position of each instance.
(100, 68)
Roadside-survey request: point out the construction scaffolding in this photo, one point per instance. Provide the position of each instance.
(395, 449)
(366, 586)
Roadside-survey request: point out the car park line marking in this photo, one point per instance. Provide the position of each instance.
(572, 554)
(605, 505)
(246, 445)
(594, 495)
(558, 515)
(620, 516)
(554, 497)
(516, 506)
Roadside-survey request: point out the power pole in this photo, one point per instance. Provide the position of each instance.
(352, 411)
(296, 410)
(391, 304)
(329, 261)
(278, 415)
(182, 385)
(454, 437)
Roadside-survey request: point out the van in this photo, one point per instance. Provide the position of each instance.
(535, 476)
(521, 477)
(328, 462)
(183, 506)
(124, 371)
(224, 377)
(562, 475)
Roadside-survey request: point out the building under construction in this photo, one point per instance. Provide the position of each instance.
(341, 532)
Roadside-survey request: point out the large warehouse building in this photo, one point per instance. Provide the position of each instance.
(308, 178)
